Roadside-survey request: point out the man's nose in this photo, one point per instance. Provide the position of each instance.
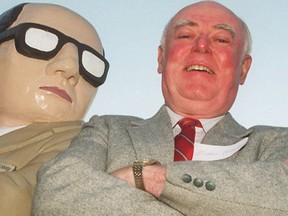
(202, 44)
(66, 63)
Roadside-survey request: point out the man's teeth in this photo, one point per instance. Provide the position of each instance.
(199, 68)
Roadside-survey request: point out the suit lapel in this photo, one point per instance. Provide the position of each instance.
(226, 132)
(153, 138)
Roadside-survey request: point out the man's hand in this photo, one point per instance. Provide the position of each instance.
(125, 173)
(154, 177)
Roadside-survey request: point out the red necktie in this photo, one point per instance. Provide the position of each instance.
(184, 141)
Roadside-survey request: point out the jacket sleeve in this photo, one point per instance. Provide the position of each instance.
(253, 182)
(76, 182)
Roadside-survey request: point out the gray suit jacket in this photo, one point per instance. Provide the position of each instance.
(253, 181)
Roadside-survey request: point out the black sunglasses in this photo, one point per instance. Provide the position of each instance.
(43, 42)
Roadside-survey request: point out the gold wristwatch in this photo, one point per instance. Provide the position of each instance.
(137, 171)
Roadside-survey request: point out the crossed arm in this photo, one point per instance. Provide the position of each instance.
(251, 186)
(154, 177)
(246, 188)
(78, 181)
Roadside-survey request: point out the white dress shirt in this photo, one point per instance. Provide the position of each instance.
(206, 152)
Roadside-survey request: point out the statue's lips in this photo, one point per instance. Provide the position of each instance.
(57, 91)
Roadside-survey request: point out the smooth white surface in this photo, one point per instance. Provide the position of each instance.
(206, 152)
(130, 31)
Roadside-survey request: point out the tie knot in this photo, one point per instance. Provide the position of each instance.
(189, 122)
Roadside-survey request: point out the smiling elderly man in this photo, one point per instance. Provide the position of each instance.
(50, 72)
(111, 167)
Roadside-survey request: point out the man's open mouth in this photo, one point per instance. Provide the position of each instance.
(199, 68)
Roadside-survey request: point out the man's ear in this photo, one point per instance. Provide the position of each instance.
(247, 61)
(160, 59)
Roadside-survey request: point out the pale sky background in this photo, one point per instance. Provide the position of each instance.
(130, 31)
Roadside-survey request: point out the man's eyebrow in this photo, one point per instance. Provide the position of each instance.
(181, 23)
(226, 28)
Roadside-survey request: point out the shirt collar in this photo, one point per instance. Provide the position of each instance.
(206, 123)
(4, 131)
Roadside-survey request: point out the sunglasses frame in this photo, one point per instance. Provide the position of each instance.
(18, 34)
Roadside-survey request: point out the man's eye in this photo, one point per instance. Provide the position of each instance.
(184, 36)
(221, 40)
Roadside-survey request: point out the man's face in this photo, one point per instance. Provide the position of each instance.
(46, 90)
(202, 62)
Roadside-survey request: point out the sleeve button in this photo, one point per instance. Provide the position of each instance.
(186, 178)
(198, 182)
(210, 185)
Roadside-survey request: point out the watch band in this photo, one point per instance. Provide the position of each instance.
(138, 177)
(138, 171)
